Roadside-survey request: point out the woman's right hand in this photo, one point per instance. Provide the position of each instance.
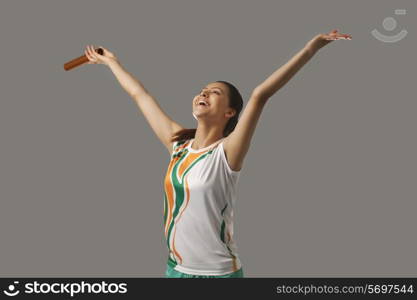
(95, 58)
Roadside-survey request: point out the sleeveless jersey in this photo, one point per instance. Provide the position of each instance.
(200, 192)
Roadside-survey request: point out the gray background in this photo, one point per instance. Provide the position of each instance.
(327, 187)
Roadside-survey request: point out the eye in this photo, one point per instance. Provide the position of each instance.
(217, 92)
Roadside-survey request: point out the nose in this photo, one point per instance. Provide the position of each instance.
(203, 93)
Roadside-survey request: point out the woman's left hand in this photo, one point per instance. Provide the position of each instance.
(323, 39)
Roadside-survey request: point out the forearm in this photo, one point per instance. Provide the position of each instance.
(283, 74)
(131, 85)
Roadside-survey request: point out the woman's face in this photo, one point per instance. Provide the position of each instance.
(211, 101)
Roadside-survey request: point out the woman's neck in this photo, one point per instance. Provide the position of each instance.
(205, 137)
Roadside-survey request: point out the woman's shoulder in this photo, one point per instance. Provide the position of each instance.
(223, 156)
(179, 145)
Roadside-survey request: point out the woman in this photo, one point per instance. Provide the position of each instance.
(201, 180)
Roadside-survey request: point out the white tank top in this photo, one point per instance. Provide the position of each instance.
(199, 196)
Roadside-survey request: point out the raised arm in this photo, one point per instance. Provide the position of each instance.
(281, 76)
(160, 122)
(236, 145)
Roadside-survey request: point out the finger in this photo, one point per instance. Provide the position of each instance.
(86, 54)
(90, 59)
(90, 50)
(93, 53)
(344, 37)
(87, 50)
(95, 49)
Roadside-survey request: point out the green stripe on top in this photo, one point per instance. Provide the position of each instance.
(178, 194)
(172, 263)
(165, 208)
(222, 235)
(179, 188)
(223, 226)
(224, 209)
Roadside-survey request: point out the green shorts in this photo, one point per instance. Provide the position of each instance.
(171, 273)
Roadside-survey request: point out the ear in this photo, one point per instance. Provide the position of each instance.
(230, 112)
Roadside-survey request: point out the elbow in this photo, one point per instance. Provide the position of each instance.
(260, 94)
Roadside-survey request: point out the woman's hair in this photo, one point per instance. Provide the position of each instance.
(235, 101)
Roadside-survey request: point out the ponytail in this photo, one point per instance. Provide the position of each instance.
(184, 134)
(230, 126)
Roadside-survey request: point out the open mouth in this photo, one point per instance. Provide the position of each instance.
(202, 103)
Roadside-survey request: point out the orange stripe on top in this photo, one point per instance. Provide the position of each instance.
(191, 157)
(234, 257)
(183, 146)
(179, 217)
(173, 246)
(169, 187)
(170, 193)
